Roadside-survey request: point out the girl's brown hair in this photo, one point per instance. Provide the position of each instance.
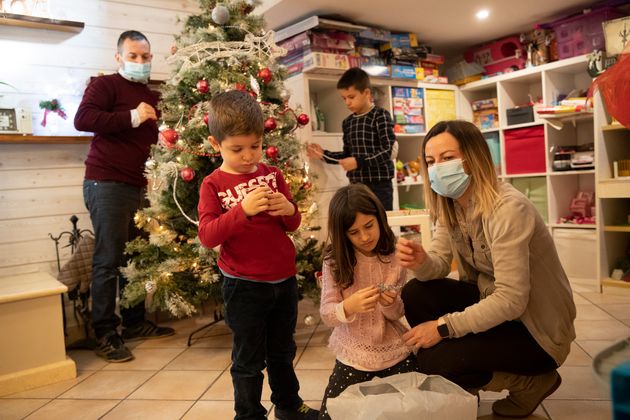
(342, 212)
(478, 164)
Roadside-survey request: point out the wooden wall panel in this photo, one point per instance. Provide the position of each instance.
(41, 184)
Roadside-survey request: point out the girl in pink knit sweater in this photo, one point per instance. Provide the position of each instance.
(360, 293)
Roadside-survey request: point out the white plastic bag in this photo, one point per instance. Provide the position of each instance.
(402, 397)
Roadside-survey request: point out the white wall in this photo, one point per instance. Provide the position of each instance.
(41, 184)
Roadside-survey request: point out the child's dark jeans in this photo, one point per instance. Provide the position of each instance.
(262, 317)
(384, 191)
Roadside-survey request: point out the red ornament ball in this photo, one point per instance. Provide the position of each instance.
(303, 119)
(203, 86)
(205, 119)
(187, 174)
(265, 75)
(272, 152)
(270, 124)
(240, 86)
(169, 137)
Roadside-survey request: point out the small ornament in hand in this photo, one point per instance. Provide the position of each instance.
(52, 106)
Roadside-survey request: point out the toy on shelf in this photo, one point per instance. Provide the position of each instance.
(622, 268)
(582, 209)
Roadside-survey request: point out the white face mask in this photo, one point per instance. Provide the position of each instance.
(449, 179)
(135, 72)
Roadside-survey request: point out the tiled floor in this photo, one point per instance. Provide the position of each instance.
(168, 380)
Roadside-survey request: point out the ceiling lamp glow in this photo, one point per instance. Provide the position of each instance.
(482, 14)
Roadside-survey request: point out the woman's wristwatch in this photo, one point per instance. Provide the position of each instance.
(443, 328)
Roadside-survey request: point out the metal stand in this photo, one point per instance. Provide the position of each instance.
(79, 300)
(218, 316)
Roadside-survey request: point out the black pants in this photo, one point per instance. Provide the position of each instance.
(343, 376)
(262, 317)
(384, 191)
(469, 361)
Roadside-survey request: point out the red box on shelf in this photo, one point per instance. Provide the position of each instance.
(503, 55)
(525, 150)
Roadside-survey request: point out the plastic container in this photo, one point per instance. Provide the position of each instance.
(584, 33)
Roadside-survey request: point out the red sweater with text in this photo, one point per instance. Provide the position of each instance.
(256, 247)
(118, 151)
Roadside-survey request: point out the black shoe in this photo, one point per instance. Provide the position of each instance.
(146, 329)
(303, 413)
(112, 348)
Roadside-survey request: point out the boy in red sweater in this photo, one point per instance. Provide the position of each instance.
(246, 207)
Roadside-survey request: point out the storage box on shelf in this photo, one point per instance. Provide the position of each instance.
(314, 91)
(526, 150)
(612, 143)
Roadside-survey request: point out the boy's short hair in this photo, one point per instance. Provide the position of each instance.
(355, 77)
(234, 113)
(132, 35)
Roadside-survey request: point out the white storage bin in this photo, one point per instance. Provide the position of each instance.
(577, 252)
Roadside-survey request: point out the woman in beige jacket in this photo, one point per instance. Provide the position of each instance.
(507, 323)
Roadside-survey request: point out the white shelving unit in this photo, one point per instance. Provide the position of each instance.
(312, 89)
(613, 196)
(551, 191)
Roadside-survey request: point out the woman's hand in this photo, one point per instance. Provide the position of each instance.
(363, 300)
(314, 151)
(423, 335)
(410, 254)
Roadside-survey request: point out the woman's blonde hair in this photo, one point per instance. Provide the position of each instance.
(478, 163)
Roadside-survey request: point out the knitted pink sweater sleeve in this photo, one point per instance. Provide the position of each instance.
(331, 296)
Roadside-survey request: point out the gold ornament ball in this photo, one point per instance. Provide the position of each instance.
(309, 320)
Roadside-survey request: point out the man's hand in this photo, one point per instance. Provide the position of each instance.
(423, 335)
(315, 151)
(256, 201)
(279, 205)
(361, 301)
(348, 164)
(410, 254)
(146, 112)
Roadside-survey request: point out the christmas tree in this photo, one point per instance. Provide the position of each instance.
(223, 48)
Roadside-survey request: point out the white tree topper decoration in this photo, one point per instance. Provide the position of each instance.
(251, 48)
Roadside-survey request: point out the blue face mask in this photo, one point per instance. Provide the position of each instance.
(448, 179)
(135, 72)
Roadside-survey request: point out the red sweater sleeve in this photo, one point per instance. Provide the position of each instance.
(291, 223)
(215, 226)
(96, 114)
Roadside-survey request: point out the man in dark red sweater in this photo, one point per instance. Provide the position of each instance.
(120, 110)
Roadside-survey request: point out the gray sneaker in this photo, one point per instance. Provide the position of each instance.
(112, 348)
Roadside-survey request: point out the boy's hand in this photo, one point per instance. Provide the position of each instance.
(256, 201)
(315, 151)
(146, 112)
(361, 301)
(279, 205)
(348, 164)
(410, 254)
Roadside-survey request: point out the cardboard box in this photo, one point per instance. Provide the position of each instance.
(403, 72)
(486, 119)
(326, 61)
(614, 31)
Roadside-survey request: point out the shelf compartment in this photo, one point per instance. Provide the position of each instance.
(617, 228)
(571, 226)
(615, 283)
(613, 188)
(583, 172)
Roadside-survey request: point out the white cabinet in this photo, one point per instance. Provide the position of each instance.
(529, 165)
(313, 90)
(613, 196)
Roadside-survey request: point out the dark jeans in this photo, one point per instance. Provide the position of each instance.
(262, 317)
(112, 206)
(384, 191)
(469, 361)
(343, 376)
